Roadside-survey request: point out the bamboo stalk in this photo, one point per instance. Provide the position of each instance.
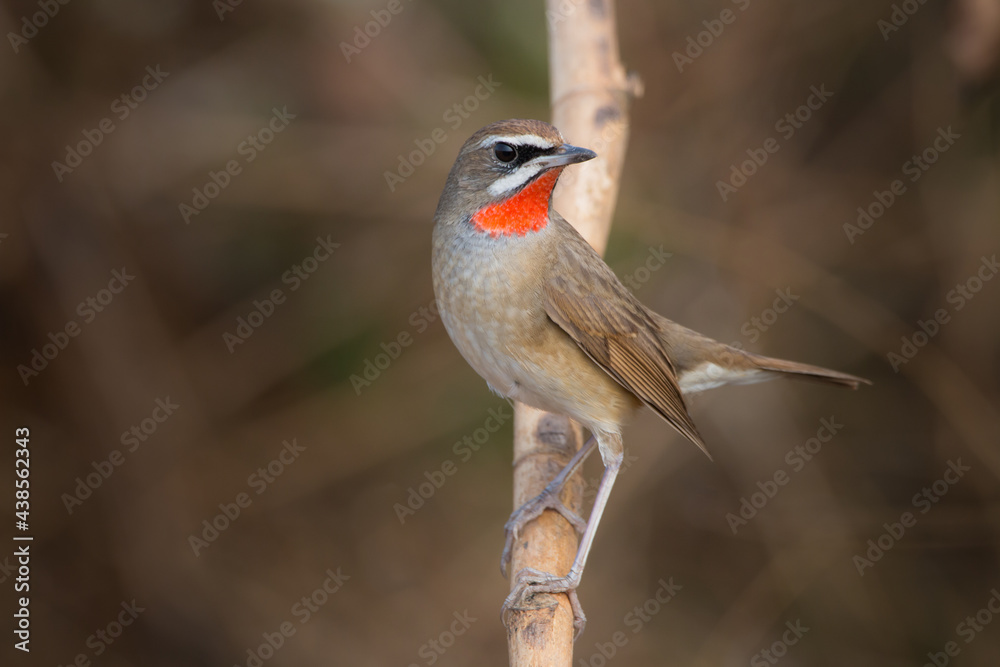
(589, 95)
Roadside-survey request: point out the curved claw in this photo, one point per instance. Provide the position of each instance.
(531, 582)
(548, 499)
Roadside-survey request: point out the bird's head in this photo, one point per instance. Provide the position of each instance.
(503, 178)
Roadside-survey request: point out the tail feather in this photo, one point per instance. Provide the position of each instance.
(807, 371)
(703, 363)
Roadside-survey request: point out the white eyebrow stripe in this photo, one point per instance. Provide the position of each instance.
(513, 181)
(517, 140)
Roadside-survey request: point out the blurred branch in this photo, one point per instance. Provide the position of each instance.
(589, 104)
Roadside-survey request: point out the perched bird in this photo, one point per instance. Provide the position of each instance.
(538, 314)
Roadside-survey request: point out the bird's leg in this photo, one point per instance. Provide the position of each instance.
(549, 498)
(531, 581)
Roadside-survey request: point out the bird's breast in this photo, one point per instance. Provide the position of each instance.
(490, 295)
(489, 303)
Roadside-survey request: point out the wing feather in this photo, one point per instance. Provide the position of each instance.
(615, 330)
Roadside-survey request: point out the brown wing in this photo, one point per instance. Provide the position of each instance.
(589, 303)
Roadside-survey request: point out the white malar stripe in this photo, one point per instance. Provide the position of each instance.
(517, 140)
(512, 182)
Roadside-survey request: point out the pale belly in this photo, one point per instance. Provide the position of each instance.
(522, 354)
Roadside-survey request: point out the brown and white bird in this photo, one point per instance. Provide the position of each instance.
(540, 316)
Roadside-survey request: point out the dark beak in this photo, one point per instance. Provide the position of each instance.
(564, 155)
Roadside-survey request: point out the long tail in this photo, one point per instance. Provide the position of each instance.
(806, 371)
(703, 363)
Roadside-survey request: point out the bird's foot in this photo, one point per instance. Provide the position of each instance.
(531, 582)
(549, 498)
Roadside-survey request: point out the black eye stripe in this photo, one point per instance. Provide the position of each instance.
(528, 152)
(525, 153)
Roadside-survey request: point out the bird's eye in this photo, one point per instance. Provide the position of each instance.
(505, 152)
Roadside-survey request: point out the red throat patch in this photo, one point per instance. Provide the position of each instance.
(527, 211)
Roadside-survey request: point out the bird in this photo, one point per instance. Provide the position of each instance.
(536, 312)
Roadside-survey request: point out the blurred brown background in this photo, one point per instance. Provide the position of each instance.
(323, 123)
